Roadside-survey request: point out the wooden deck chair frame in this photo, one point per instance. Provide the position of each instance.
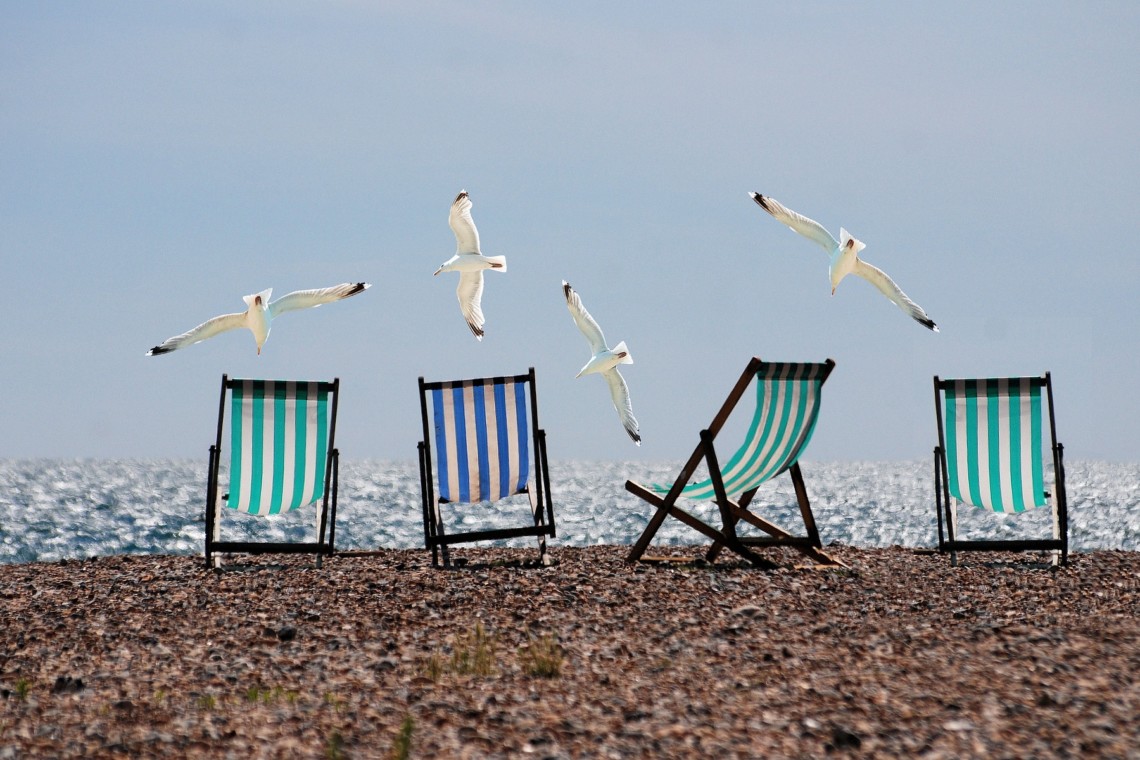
(732, 511)
(949, 539)
(216, 501)
(537, 483)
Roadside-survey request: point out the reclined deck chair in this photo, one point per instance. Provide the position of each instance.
(482, 434)
(989, 455)
(787, 406)
(282, 458)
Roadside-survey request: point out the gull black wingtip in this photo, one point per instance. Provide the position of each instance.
(761, 201)
(158, 351)
(566, 289)
(929, 324)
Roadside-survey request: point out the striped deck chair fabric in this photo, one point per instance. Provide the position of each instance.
(482, 439)
(787, 407)
(279, 435)
(788, 396)
(483, 435)
(992, 434)
(993, 443)
(282, 456)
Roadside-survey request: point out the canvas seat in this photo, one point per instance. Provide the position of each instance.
(787, 407)
(479, 437)
(990, 456)
(282, 458)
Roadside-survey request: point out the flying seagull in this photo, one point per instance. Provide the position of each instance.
(259, 315)
(844, 255)
(469, 262)
(604, 361)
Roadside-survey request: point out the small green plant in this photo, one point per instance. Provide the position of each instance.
(207, 702)
(474, 653)
(436, 667)
(23, 686)
(334, 701)
(334, 747)
(403, 744)
(541, 657)
(160, 697)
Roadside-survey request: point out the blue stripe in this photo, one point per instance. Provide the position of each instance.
(481, 441)
(504, 443)
(441, 444)
(461, 445)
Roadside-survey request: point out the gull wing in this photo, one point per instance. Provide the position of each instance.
(619, 392)
(887, 287)
(470, 293)
(583, 319)
(809, 228)
(466, 236)
(207, 329)
(307, 299)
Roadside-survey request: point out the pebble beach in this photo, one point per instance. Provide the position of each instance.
(897, 655)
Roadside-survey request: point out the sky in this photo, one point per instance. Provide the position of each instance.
(158, 161)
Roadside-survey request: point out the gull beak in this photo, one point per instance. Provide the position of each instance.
(437, 271)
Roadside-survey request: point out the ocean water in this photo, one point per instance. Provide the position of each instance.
(73, 509)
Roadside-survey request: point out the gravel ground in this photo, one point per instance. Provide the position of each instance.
(899, 655)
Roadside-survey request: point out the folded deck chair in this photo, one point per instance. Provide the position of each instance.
(482, 435)
(787, 406)
(989, 455)
(282, 458)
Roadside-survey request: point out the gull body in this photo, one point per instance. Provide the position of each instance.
(605, 361)
(844, 257)
(259, 315)
(469, 262)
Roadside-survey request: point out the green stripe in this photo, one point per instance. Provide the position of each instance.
(950, 429)
(1035, 437)
(300, 427)
(236, 398)
(1015, 445)
(279, 408)
(257, 451)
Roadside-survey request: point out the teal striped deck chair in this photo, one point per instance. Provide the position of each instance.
(282, 458)
(990, 456)
(787, 406)
(482, 437)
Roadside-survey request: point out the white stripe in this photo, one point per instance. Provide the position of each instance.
(312, 428)
(290, 444)
(790, 423)
(1004, 422)
(245, 487)
(492, 426)
(267, 409)
(983, 444)
(1027, 453)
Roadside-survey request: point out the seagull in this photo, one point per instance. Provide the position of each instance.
(259, 315)
(469, 262)
(845, 259)
(604, 361)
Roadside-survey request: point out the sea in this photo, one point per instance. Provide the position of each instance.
(53, 510)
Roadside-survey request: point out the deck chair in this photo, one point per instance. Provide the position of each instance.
(787, 406)
(481, 435)
(282, 457)
(989, 455)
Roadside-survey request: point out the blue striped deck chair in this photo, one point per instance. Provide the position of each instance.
(787, 406)
(480, 436)
(990, 456)
(282, 457)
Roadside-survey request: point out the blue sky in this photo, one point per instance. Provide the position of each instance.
(158, 161)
